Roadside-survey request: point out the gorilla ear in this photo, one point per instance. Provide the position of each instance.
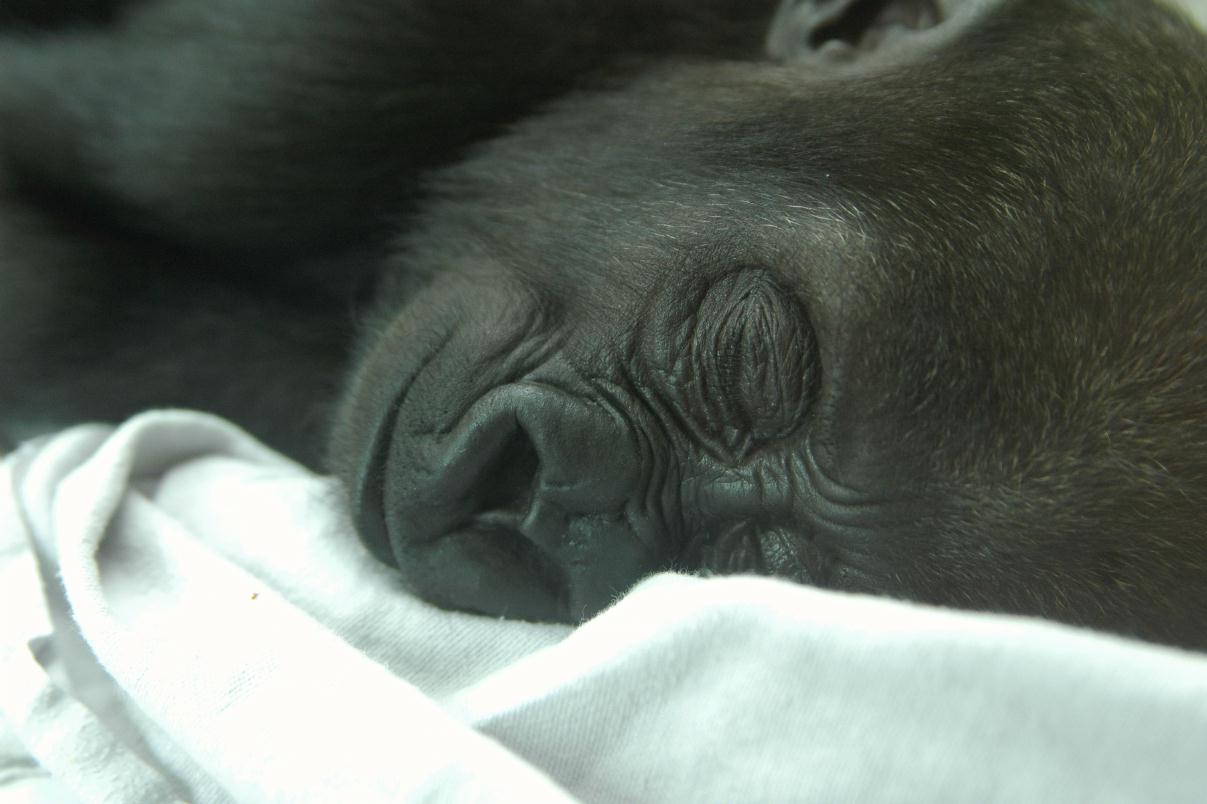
(839, 31)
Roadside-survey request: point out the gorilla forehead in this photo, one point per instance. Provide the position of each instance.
(1053, 202)
(1055, 121)
(992, 295)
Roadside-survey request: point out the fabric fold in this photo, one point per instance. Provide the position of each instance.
(189, 616)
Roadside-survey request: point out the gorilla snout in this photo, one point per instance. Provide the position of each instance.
(527, 507)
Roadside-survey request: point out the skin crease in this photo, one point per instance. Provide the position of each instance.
(910, 309)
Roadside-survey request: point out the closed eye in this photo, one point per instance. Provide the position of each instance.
(753, 368)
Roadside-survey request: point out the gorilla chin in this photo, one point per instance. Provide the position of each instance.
(803, 325)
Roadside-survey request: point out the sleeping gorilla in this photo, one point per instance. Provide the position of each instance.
(915, 305)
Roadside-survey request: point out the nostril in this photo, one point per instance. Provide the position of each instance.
(523, 508)
(505, 488)
(518, 578)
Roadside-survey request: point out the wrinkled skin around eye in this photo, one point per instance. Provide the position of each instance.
(743, 364)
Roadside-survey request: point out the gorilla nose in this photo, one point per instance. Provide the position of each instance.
(524, 509)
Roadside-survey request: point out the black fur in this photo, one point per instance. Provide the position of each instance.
(915, 310)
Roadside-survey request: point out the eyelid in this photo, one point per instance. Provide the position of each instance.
(754, 359)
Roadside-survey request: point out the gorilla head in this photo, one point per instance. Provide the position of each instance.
(917, 308)
(915, 304)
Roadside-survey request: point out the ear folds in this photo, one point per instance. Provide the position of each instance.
(837, 31)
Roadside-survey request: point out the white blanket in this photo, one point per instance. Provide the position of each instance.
(186, 615)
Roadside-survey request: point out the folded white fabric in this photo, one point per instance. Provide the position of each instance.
(187, 616)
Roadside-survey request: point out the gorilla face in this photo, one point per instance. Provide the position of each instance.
(917, 309)
(914, 306)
